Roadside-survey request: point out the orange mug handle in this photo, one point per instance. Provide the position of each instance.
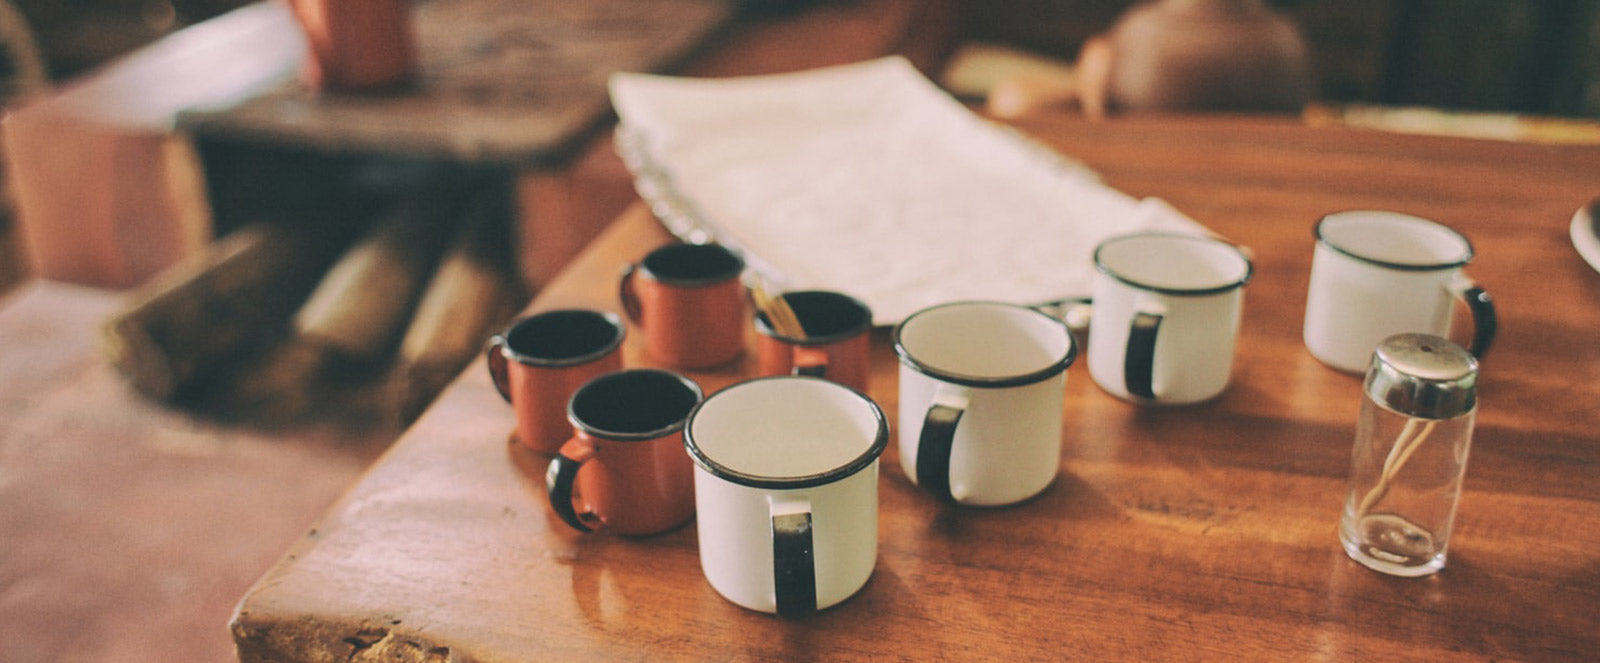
(810, 361)
(559, 479)
(626, 293)
(495, 357)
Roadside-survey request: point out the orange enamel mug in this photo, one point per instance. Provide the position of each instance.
(540, 360)
(689, 303)
(835, 345)
(357, 44)
(625, 469)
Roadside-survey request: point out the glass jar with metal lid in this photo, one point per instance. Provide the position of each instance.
(1410, 454)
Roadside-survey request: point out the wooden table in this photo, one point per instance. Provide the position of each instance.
(1196, 533)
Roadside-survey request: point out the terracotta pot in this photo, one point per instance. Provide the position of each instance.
(357, 44)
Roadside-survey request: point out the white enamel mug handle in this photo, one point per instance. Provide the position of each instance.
(1481, 306)
(1139, 361)
(935, 443)
(794, 568)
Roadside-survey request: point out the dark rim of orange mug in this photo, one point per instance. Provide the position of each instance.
(579, 336)
(634, 405)
(827, 316)
(692, 265)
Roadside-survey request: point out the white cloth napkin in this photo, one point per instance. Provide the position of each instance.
(869, 180)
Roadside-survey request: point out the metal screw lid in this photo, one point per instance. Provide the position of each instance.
(1422, 375)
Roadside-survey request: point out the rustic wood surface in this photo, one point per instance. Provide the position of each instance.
(1194, 533)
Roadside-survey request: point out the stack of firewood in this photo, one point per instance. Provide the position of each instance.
(358, 312)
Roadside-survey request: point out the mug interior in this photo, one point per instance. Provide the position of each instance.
(564, 336)
(692, 263)
(786, 429)
(824, 314)
(1394, 239)
(984, 341)
(633, 404)
(1178, 264)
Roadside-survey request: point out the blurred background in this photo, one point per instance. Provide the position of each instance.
(1539, 57)
(1502, 57)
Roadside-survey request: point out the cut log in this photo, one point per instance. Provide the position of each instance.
(474, 291)
(351, 322)
(185, 327)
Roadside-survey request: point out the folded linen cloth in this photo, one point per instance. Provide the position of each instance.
(870, 180)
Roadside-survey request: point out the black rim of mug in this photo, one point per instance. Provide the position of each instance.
(1055, 368)
(809, 304)
(1466, 244)
(1249, 265)
(594, 389)
(593, 321)
(692, 265)
(880, 442)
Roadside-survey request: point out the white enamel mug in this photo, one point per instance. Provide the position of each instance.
(982, 385)
(1166, 313)
(1375, 274)
(786, 491)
